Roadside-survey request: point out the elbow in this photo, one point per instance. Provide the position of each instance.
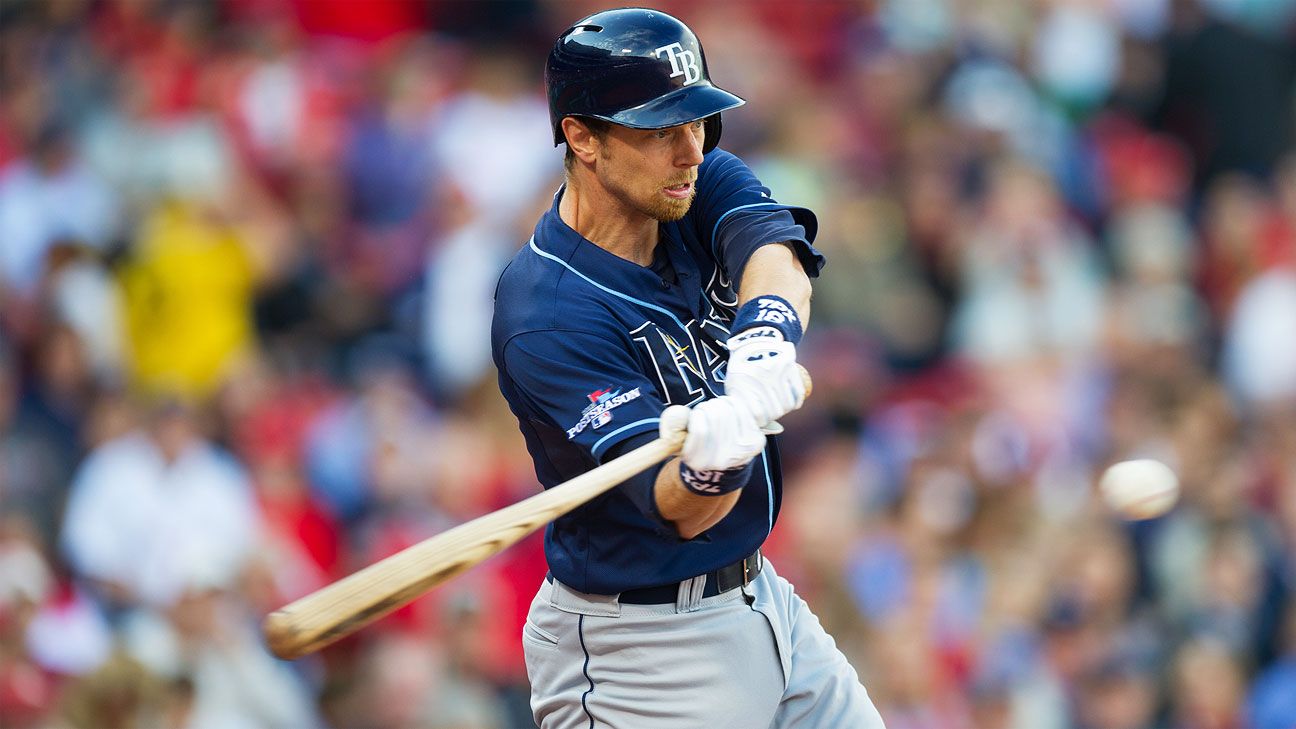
(798, 283)
(691, 528)
(689, 514)
(801, 294)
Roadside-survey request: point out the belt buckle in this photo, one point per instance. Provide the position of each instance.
(746, 570)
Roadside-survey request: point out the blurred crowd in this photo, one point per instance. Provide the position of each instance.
(247, 257)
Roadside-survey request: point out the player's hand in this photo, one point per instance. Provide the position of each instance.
(763, 374)
(721, 433)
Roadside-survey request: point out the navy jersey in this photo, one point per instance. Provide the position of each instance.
(590, 349)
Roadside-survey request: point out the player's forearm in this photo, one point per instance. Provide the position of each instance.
(691, 513)
(775, 269)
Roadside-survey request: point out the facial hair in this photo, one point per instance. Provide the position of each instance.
(669, 210)
(659, 207)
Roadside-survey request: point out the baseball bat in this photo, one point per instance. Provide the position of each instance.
(343, 607)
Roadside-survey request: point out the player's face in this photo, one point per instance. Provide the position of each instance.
(653, 171)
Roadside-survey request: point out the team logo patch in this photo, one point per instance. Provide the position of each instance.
(599, 411)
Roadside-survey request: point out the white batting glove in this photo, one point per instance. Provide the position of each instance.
(763, 374)
(721, 433)
(674, 423)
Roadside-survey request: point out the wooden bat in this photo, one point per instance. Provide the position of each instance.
(343, 607)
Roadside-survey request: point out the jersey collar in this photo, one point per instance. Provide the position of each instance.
(555, 237)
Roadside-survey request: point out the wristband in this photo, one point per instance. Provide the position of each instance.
(715, 483)
(768, 311)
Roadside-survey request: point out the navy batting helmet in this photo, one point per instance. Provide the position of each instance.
(635, 67)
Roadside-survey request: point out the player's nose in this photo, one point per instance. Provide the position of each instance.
(690, 150)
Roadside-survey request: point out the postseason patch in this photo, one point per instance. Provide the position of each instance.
(599, 412)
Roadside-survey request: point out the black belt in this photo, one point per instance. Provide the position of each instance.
(726, 578)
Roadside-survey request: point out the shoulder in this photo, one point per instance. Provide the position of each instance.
(727, 185)
(725, 181)
(527, 279)
(719, 159)
(538, 291)
(720, 166)
(547, 352)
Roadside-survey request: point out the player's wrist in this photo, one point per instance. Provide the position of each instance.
(763, 318)
(755, 336)
(716, 482)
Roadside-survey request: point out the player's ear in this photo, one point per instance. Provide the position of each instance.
(581, 140)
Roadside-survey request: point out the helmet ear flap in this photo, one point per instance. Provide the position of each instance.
(711, 136)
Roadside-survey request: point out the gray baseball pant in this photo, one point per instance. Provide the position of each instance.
(749, 658)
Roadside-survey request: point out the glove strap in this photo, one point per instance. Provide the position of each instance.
(768, 312)
(715, 483)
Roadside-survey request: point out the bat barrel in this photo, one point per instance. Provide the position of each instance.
(339, 609)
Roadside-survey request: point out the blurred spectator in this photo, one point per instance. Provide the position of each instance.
(368, 451)
(1032, 284)
(209, 650)
(492, 139)
(50, 199)
(124, 693)
(1153, 306)
(37, 449)
(1272, 700)
(1207, 688)
(1077, 54)
(1228, 91)
(148, 509)
(27, 691)
(1121, 693)
(1257, 359)
(188, 288)
(493, 144)
(145, 155)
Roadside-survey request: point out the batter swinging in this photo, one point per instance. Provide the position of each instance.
(664, 290)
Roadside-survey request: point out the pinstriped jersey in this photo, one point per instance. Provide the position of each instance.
(590, 349)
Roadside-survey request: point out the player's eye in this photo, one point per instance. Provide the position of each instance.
(662, 133)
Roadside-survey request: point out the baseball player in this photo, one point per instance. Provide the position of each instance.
(664, 291)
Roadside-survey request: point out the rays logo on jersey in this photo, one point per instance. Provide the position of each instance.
(599, 411)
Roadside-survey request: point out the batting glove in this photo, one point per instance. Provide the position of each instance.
(721, 440)
(762, 370)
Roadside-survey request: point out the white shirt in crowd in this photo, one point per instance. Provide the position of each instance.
(155, 527)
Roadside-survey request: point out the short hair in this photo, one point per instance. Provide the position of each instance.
(598, 127)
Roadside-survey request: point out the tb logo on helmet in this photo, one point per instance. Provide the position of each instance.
(683, 63)
(638, 68)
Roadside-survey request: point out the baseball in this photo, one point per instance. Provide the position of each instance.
(1139, 489)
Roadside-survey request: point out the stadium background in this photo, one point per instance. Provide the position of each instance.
(247, 251)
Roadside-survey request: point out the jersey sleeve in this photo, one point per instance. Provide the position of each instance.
(587, 393)
(737, 215)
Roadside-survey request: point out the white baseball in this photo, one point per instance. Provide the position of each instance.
(1140, 489)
